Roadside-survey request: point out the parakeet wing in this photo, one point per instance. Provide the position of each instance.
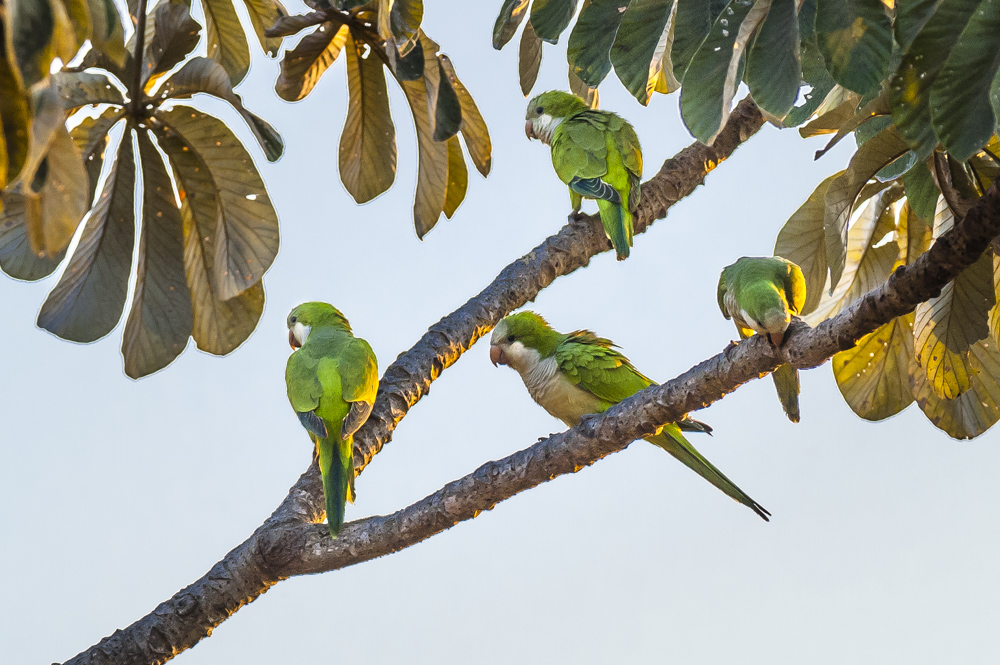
(795, 288)
(721, 295)
(579, 149)
(627, 144)
(302, 381)
(359, 383)
(590, 363)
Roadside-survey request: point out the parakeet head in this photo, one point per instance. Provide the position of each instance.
(309, 315)
(522, 339)
(547, 110)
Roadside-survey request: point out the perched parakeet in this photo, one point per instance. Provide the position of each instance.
(573, 375)
(596, 153)
(332, 378)
(760, 294)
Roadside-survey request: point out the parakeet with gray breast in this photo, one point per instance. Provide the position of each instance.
(577, 374)
(596, 153)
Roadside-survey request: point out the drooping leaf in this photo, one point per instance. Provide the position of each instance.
(91, 138)
(945, 327)
(529, 58)
(458, 178)
(715, 69)
(81, 88)
(835, 112)
(160, 319)
(292, 25)
(877, 108)
(224, 36)
(774, 69)
(855, 38)
(368, 142)
(692, 23)
(404, 21)
(589, 46)
(874, 376)
(76, 14)
(264, 14)
(47, 117)
(885, 148)
(512, 12)
(802, 240)
(247, 239)
(14, 117)
(447, 109)
(913, 237)
(204, 75)
(582, 90)
(960, 95)
(65, 195)
(921, 192)
(107, 35)
(974, 411)
(911, 15)
(31, 24)
(303, 65)
(550, 17)
(410, 67)
(88, 301)
(16, 257)
(910, 86)
(815, 75)
(474, 130)
(634, 53)
(174, 36)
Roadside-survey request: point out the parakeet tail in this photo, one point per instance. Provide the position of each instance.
(786, 382)
(336, 463)
(671, 440)
(692, 425)
(617, 222)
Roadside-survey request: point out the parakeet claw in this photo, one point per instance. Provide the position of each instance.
(574, 216)
(730, 348)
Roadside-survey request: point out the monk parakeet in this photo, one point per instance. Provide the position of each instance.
(573, 375)
(596, 153)
(760, 294)
(332, 378)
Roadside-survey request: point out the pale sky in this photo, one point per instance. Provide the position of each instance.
(115, 494)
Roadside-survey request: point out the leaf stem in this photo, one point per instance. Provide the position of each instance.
(135, 91)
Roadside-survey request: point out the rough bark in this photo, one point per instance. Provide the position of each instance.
(291, 541)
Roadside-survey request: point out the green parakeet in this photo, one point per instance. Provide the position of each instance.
(577, 374)
(332, 378)
(760, 294)
(596, 153)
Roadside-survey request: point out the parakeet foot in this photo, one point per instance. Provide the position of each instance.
(575, 216)
(727, 352)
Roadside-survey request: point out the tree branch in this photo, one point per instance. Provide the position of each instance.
(276, 549)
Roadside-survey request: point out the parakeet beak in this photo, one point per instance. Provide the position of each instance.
(497, 356)
(529, 130)
(776, 338)
(294, 343)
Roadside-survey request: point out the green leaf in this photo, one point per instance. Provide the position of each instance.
(174, 36)
(774, 69)
(65, 195)
(204, 75)
(447, 109)
(855, 38)
(91, 139)
(474, 130)
(303, 65)
(512, 12)
(247, 239)
(815, 75)
(802, 240)
(264, 14)
(589, 46)
(960, 96)
(107, 35)
(88, 301)
(529, 58)
(910, 86)
(874, 376)
(946, 326)
(16, 257)
(30, 25)
(692, 23)
(975, 410)
(14, 119)
(458, 178)
(550, 17)
(639, 45)
(705, 101)
(160, 319)
(82, 88)
(224, 36)
(911, 15)
(883, 149)
(368, 142)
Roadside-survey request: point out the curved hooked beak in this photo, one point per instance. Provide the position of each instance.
(529, 130)
(294, 343)
(497, 356)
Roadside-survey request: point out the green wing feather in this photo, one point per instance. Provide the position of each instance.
(579, 150)
(592, 364)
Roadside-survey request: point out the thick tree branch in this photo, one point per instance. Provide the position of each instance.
(274, 551)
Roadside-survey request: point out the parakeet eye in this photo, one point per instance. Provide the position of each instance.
(510, 338)
(539, 110)
(293, 319)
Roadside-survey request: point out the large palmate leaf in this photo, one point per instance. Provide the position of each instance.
(815, 75)
(404, 23)
(458, 178)
(107, 35)
(14, 121)
(80, 88)
(802, 240)
(88, 301)
(473, 128)
(512, 12)
(30, 25)
(224, 36)
(160, 319)
(368, 142)
(171, 34)
(91, 138)
(874, 376)
(247, 238)
(921, 192)
(447, 109)
(550, 17)
(590, 42)
(974, 411)
(692, 23)
(529, 58)
(774, 70)
(304, 65)
(589, 95)
(855, 38)
(62, 186)
(264, 14)
(639, 44)
(16, 256)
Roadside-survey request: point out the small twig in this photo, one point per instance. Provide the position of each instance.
(135, 91)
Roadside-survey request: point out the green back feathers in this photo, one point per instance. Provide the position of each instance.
(594, 364)
(760, 285)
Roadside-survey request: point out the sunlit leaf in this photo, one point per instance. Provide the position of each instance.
(64, 191)
(458, 178)
(404, 21)
(81, 88)
(368, 142)
(855, 38)
(994, 319)
(474, 130)
(291, 25)
(876, 108)
(303, 65)
(160, 319)
(512, 12)
(13, 119)
(88, 301)
(589, 45)
(774, 70)
(550, 17)
(815, 75)
(16, 256)
(639, 44)
(834, 113)
(174, 36)
(264, 14)
(247, 238)
(874, 376)
(224, 36)
(47, 117)
(974, 411)
(802, 240)
(91, 138)
(582, 90)
(529, 58)
(107, 35)
(77, 15)
(30, 25)
(913, 236)
(921, 192)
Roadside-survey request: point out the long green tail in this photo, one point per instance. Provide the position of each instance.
(786, 382)
(336, 463)
(671, 440)
(617, 220)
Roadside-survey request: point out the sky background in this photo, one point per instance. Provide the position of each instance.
(115, 494)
